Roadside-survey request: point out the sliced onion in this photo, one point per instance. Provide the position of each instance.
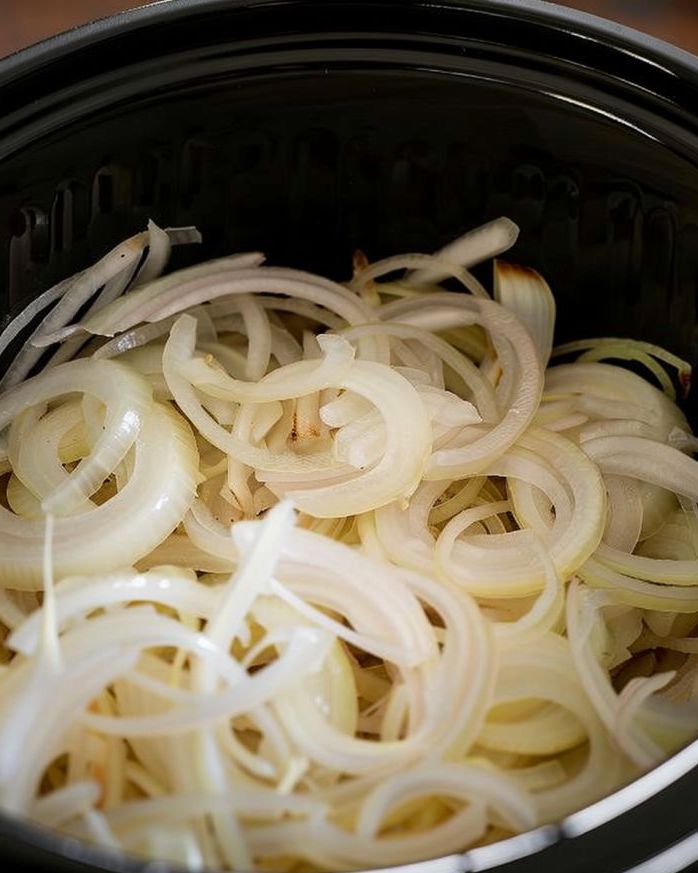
(633, 350)
(505, 330)
(647, 461)
(488, 241)
(128, 401)
(118, 316)
(122, 530)
(525, 292)
(399, 470)
(331, 692)
(581, 608)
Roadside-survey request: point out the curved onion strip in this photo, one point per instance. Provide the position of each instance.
(625, 513)
(571, 539)
(589, 382)
(160, 244)
(170, 297)
(305, 653)
(133, 339)
(303, 377)
(637, 593)
(467, 782)
(398, 472)
(85, 285)
(114, 271)
(647, 461)
(34, 447)
(474, 247)
(327, 845)
(632, 350)
(585, 485)
(29, 740)
(419, 262)
(582, 607)
(543, 670)
(525, 292)
(124, 529)
(669, 572)
(304, 570)
(127, 398)
(544, 614)
(178, 351)
(467, 372)
(81, 595)
(505, 330)
(109, 320)
(222, 308)
(548, 730)
(44, 300)
(21, 322)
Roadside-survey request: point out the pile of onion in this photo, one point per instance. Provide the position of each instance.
(299, 574)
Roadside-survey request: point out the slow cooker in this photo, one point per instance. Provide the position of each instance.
(308, 128)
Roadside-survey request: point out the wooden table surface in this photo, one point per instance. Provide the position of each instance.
(23, 22)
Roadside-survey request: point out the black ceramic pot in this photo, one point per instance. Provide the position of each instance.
(307, 128)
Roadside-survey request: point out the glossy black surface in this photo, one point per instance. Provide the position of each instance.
(308, 128)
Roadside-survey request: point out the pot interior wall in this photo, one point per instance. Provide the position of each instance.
(311, 165)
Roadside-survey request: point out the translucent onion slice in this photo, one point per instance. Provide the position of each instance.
(127, 398)
(178, 352)
(400, 469)
(324, 844)
(554, 467)
(548, 730)
(525, 292)
(305, 653)
(669, 572)
(84, 286)
(625, 513)
(114, 271)
(173, 294)
(125, 528)
(31, 738)
(78, 596)
(363, 279)
(544, 614)
(506, 332)
(647, 461)
(474, 247)
(38, 447)
(294, 380)
(118, 315)
(329, 574)
(582, 608)
(637, 593)
(543, 670)
(468, 374)
(588, 381)
(633, 350)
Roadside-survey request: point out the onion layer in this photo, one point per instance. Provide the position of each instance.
(301, 573)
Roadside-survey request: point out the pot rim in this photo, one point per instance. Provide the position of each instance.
(651, 49)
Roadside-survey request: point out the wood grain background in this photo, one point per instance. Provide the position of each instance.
(23, 22)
